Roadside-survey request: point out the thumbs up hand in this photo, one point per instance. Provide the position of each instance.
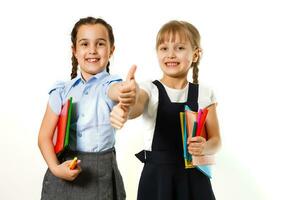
(127, 98)
(128, 90)
(118, 116)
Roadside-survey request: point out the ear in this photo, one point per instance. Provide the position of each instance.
(197, 54)
(73, 51)
(112, 49)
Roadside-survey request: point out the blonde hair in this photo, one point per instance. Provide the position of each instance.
(186, 31)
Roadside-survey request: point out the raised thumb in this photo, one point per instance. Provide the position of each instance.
(131, 73)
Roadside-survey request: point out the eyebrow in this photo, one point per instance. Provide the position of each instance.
(177, 43)
(98, 39)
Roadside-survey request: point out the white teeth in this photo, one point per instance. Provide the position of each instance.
(172, 64)
(92, 59)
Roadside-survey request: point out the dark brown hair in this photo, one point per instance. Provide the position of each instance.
(185, 31)
(89, 21)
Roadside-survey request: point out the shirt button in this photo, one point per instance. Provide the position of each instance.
(86, 92)
(82, 115)
(79, 134)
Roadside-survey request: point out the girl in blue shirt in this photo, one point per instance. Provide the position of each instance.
(92, 138)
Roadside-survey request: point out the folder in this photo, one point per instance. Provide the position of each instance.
(63, 127)
(193, 124)
(187, 162)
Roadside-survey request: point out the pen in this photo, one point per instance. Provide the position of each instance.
(73, 163)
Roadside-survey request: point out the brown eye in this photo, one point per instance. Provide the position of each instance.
(163, 48)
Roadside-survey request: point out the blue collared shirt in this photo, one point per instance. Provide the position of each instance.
(90, 129)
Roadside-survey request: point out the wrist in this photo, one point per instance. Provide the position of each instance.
(53, 168)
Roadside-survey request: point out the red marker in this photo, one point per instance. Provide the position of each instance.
(201, 121)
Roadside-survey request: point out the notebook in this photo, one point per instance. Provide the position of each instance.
(192, 124)
(63, 127)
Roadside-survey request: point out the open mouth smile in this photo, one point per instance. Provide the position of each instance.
(172, 64)
(92, 60)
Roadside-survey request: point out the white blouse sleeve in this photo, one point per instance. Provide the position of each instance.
(206, 96)
(152, 92)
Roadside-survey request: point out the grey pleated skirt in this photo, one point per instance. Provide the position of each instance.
(99, 179)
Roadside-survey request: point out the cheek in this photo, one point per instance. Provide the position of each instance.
(79, 55)
(187, 58)
(105, 53)
(160, 57)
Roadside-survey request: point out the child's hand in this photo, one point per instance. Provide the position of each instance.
(64, 172)
(196, 145)
(118, 116)
(128, 89)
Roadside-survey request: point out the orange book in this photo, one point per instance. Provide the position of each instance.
(63, 125)
(191, 117)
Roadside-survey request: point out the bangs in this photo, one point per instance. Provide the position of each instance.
(171, 32)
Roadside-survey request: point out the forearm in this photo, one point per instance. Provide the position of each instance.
(47, 150)
(138, 108)
(136, 111)
(213, 142)
(114, 91)
(212, 146)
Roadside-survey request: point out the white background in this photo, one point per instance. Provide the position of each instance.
(251, 56)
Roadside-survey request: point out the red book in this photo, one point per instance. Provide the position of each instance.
(62, 126)
(201, 128)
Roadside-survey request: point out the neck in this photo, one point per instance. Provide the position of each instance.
(176, 83)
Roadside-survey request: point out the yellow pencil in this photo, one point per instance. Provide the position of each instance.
(73, 163)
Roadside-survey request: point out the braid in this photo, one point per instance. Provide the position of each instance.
(196, 68)
(74, 67)
(107, 67)
(195, 72)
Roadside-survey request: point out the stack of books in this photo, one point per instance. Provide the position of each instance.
(62, 135)
(193, 125)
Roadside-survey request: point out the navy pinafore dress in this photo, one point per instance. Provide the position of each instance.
(164, 176)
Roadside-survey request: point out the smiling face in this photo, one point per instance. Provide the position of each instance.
(92, 49)
(175, 55)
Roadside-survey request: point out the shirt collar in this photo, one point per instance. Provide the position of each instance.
(98, 76)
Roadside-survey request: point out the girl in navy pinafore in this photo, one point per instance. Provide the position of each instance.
(164, 176)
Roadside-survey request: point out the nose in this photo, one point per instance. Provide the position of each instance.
(171, 54)
(92, 49)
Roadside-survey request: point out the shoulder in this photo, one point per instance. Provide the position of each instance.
(62, 86)
(110, 79)
(58, 94)
(206, 95)
(149, 87)
(58, 85)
